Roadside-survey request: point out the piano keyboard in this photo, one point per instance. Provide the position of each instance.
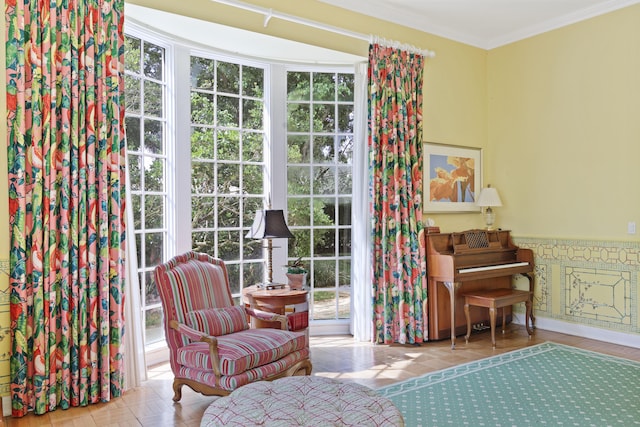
(492, 267)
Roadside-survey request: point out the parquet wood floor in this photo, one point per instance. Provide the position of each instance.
(336, 357)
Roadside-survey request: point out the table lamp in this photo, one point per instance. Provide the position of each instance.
(269, 224)
(489, 198)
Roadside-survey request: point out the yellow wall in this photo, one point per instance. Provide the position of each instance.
(564, 129)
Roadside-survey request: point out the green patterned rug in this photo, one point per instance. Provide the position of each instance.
(547, 384)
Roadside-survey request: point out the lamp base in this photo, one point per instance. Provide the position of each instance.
(489, 218)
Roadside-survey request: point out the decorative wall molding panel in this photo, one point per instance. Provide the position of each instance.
(588, 282)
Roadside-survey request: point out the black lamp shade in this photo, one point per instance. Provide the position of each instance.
(269, 224)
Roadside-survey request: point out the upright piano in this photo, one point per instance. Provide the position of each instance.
(468, 261)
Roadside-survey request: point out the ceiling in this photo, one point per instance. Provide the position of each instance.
(483, 23)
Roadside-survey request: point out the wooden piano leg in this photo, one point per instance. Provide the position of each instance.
(492, 320)
(453, 287)
(468, 317)
(529, 316)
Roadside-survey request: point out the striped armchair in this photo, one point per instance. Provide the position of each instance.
(212, 348)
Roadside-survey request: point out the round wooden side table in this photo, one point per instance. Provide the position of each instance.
(277, 301)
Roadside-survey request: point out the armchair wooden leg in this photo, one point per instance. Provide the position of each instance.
(177, 390)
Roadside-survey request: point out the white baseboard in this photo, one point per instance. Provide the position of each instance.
(599, 334)
(329, 328)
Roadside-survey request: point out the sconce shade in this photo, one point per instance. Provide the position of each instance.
(269, 224)
(489, 197)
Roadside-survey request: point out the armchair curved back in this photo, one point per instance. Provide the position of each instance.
(188, 282)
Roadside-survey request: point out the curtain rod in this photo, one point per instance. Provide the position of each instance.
(270, 13)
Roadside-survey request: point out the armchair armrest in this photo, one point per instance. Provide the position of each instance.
(269, 317)
(195, 335)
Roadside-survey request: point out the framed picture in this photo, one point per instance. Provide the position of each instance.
(452, 178)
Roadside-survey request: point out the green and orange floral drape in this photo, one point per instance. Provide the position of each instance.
(66, 190)
(395, 187)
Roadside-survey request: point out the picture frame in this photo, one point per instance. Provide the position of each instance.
(452, 178)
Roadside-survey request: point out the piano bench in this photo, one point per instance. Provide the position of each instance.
(494, 299)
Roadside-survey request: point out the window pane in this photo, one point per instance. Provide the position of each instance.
(344, 180)
(132, 94)
(153, 136)
(202, 178)
(324, 242)
(323, 149)
(252, 114)
(204, 242)
(135, 174)
(203, 212)
(323, 87)
(324, 274)
(344, 305)
(298, 117)
(153, 254)
(228, 77)
(228, 212)
(252, 147)
(344, 211)
(324, 212)
(298, 179)
(132, 57)
(345, 118)
(154, 174)
(324, 118)
(132, 126)
(228, 178)
(154, 211)
(345, 150)
(202, 108)
(153, 61)
(299, 149)
(151, 294)
(135, 206)
(229, 245)
(345, 87)
(202, 143)
(300, 246)
(202, 73)
(153, 99)
(253, 179)
(324, 180)
(344, 242)
(324, 305)
(298, 86)
(299, 211)
(153, 330)
(228, 111)
(228, 144)
(252, 81)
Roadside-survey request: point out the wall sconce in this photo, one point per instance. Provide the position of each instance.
(489, 198)
(269, 224)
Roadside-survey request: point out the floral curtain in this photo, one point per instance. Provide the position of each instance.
(66, 190)
(395, 190)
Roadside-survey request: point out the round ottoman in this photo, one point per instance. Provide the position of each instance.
(302, 401)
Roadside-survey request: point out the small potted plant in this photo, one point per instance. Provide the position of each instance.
(297, 274)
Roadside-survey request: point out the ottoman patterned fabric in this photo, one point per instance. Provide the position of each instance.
(302, 401)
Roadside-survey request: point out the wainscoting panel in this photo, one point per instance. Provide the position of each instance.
(588, 282)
